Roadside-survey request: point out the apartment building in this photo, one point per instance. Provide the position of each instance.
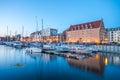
(113, 34)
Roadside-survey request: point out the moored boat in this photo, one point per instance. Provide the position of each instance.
(62, 48)
(33, 50)
(48, 48)
(80, 49)
(17, 44)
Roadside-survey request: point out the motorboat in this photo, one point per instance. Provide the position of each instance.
(48, 48)
(33, 50)
(17, 44)
(80, 49)
(62, 48)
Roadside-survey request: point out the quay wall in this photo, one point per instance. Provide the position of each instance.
(107, 48)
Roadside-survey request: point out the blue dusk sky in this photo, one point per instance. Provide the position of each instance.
(58, 14)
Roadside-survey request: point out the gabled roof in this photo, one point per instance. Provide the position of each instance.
(88, 25)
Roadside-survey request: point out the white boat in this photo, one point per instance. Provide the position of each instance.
(80, 49)
(55, 48)
(62, 48)
(33, 50)
(48, 47)
(17, 44)
(9, 43)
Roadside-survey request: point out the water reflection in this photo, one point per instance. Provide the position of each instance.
(42, 56)
(112, 58)
(18, 65)
(95, 63)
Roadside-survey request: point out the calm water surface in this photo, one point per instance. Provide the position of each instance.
(15, 64)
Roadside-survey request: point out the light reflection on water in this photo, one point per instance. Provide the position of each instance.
(18, 65)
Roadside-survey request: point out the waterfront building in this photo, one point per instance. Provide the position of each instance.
(2, 38)
(113, 34)
(63, 37)
(25, 39)
(45, 35)
(86, 32)
(51, 38)
(36, 36)
(49, 32)
(16, 37)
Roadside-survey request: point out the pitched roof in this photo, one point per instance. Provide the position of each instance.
(88, 25)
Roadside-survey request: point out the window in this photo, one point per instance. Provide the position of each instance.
(86, 26)
(82, 26)
(77, 27)
(90, 26)
(74, 29)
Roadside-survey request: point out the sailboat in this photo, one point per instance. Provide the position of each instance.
(35, 47)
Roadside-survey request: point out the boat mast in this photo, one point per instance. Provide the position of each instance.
(10, 35)
(42, 23)
(22, 33)
(7, 33)
(36, 34)
(42, 30)
(16, 35)
(36, 23)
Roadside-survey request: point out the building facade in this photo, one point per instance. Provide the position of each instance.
(86, 32)
(52, 38)
(49, 32)
(2, 38)
(63, 36)
(113, 34)
(45, 35)
(36, 36)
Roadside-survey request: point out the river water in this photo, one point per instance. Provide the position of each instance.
(15, 64)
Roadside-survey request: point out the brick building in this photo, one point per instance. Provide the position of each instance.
(86, 32)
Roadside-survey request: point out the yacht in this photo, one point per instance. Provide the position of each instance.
(80, 49)
(33, 50)
(17, 44)
(62, 48)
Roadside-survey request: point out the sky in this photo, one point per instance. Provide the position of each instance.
(58, 14)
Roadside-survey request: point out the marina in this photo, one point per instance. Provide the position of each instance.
(100, 66)
(59, 40)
